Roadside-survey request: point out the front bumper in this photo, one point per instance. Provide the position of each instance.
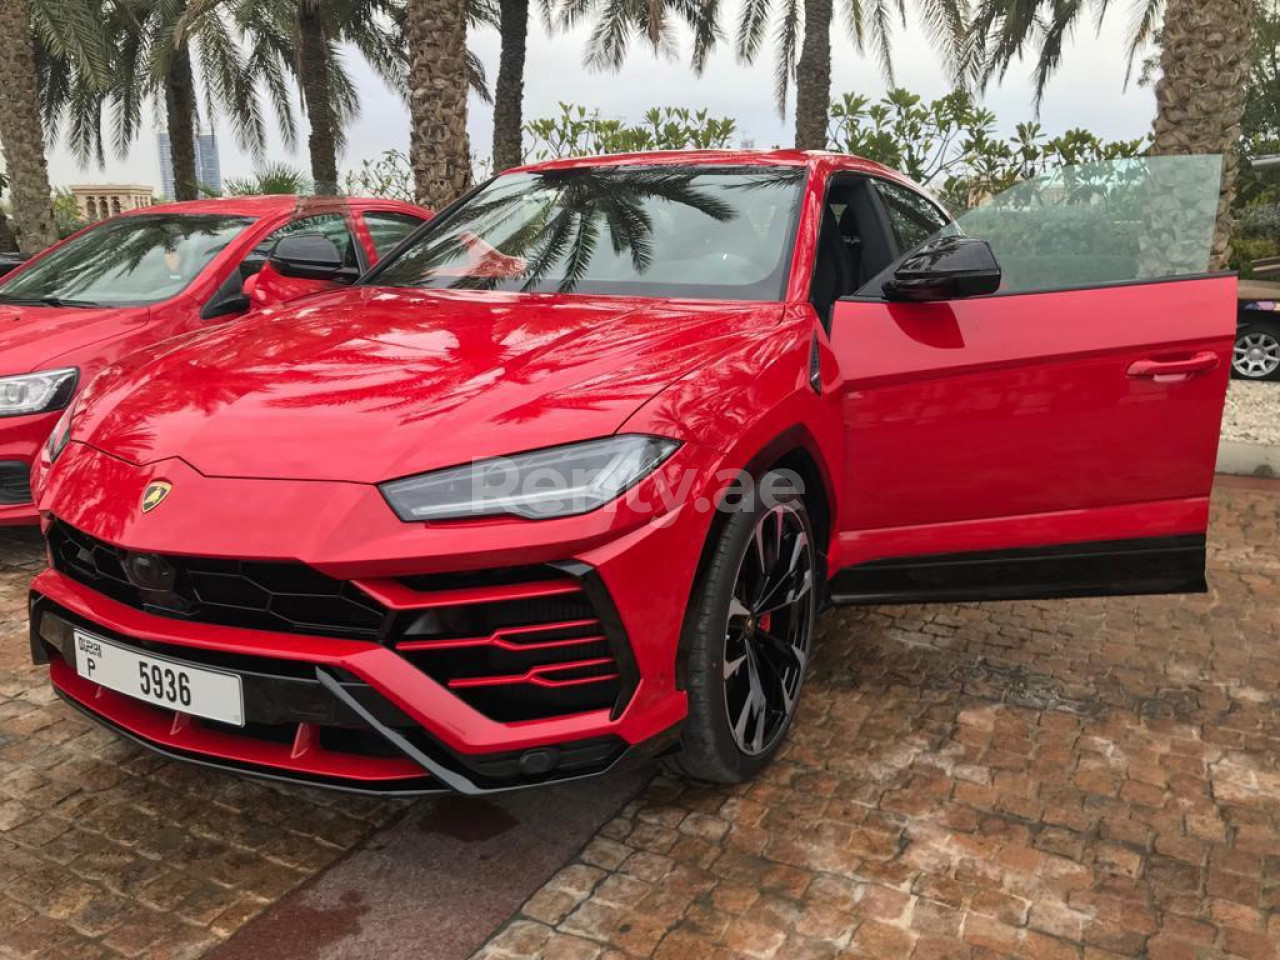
(21, 439)
(375, 712)
(313, 724)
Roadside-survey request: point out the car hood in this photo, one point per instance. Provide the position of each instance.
(370, 384)
(32, 337)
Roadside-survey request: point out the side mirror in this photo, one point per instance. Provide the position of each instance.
(311, 256)
(230, 298)
(949, 268)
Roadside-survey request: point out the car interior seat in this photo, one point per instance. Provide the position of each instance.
(835, 273)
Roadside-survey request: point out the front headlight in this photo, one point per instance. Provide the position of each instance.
(37, 392)
(556, 482)
(61, 435)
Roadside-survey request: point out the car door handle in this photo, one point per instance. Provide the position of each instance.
(1202, 362)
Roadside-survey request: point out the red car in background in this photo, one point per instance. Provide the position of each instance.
(571, 474)
(147, 275)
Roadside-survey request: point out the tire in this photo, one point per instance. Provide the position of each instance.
(1256, 355)
(725, 618)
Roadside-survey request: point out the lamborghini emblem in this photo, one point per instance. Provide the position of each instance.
(154, 495)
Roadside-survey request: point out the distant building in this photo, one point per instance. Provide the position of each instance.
(208, 168)
(97, 201)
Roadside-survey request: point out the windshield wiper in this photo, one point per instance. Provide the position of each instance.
(47, 302)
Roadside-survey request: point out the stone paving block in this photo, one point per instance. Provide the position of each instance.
(107, 851)
(1093, 779)
(1087, 779)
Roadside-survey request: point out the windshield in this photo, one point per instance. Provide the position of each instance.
(128, 261)
(1097, 224)
(704, 233)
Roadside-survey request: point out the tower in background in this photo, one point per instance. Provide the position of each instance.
(208, 167)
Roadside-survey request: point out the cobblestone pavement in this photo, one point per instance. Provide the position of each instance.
(1078, 779)
(1088, 779)
(108, 851)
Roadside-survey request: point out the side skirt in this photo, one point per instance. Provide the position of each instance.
(1099, 569)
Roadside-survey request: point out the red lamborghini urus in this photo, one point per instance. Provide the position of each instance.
(571, 474)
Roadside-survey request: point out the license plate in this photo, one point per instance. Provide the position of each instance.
(159, 680)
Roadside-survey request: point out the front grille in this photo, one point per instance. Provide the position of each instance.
(534, 643)
(15, 483)
(282, 597)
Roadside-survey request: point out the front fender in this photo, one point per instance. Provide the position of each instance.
(756, 403)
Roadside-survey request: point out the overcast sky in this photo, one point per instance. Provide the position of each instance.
(1088, 92)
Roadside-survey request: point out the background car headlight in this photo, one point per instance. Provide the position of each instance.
(37, 392)
(556, 482)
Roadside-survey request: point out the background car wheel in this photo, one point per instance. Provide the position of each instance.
(1257, 352)
(747, 638)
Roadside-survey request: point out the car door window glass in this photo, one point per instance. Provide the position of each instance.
(913, 218)
(387, 229)
(331, 225)
(853, 243)
(1124, 221)
(702, 232)
(134, 260)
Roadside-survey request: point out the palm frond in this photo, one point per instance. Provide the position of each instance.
(790, 20)
(1054, 34)
(488, 13)
(227, 87)
(1146, 19)
(702, 17)
(607, 44)
(879, 30)
(753, 21)
(72, 30)
(946, 23)
(476, 78)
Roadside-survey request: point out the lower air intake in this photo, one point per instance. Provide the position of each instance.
(528, 644)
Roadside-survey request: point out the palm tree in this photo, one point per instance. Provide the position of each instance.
(21, 132)
(439, 153)
(508, 93)
(177, 52)
(304, 38)
(75, 68)
(868, 21)
(617, 22)
(49, 49)
(1200, 96)
(1204, 62)
(270, 178)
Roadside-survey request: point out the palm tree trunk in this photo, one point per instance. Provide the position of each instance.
(317, 98)
(21, 132)
(813, 77)
(438, 146)
(8, 239)
(508, 95)
(1200, 96)
(180, 113)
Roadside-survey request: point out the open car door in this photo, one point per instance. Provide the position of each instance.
(1054, 438)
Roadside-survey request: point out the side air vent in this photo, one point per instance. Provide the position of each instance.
(522, 644)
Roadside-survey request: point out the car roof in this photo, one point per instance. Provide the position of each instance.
(266, 206)
(813, 159)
